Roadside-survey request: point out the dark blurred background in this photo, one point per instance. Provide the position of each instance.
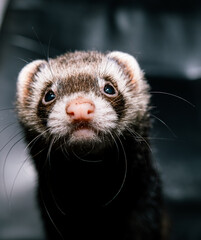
(165, 37)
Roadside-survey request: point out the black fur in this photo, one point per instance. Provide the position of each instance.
(76, 197)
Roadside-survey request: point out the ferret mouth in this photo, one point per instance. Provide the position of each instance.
(83, 131)
(85, 140)
(81, 125)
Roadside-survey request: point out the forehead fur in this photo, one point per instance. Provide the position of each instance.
(75, 63)
(122, 67)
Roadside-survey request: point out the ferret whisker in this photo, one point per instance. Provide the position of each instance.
(160, 120)
(48, 158)
(55, 202)
(7, 109)
(115, 142)
(48, 59)
(35, 139)
(38, 153)
(64, 149)
(140, 137)
(173, 95)
(61, 142)
(49, 151)
(23, 60)
(50, 68)
(117, 100)
(11, 140)
(7, 126)
(159, 138)
(4, 167)
(48, 213)
(48, 47)
(85, 160)
(40, 43)
(124, 177)
(15, 179)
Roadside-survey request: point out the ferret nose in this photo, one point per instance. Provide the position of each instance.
(80, 109)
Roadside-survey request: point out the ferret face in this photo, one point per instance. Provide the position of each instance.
(82, 97)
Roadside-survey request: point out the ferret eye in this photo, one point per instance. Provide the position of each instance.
(109, 89)
(49, 97)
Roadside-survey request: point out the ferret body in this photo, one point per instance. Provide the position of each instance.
(86, 120)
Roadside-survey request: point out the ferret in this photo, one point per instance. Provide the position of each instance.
(86, 122)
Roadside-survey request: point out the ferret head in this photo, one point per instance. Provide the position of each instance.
(82, 97)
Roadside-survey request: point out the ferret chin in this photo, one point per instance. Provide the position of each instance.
(85, 142)
(86, 121)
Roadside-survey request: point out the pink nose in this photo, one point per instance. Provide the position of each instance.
(80, 109)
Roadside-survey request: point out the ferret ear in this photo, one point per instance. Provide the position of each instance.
(25, 77)
(129, 64)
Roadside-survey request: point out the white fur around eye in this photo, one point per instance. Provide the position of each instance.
(110, 68)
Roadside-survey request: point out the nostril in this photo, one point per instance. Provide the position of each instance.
(91, 108)
(70, 110)
(70, 113)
